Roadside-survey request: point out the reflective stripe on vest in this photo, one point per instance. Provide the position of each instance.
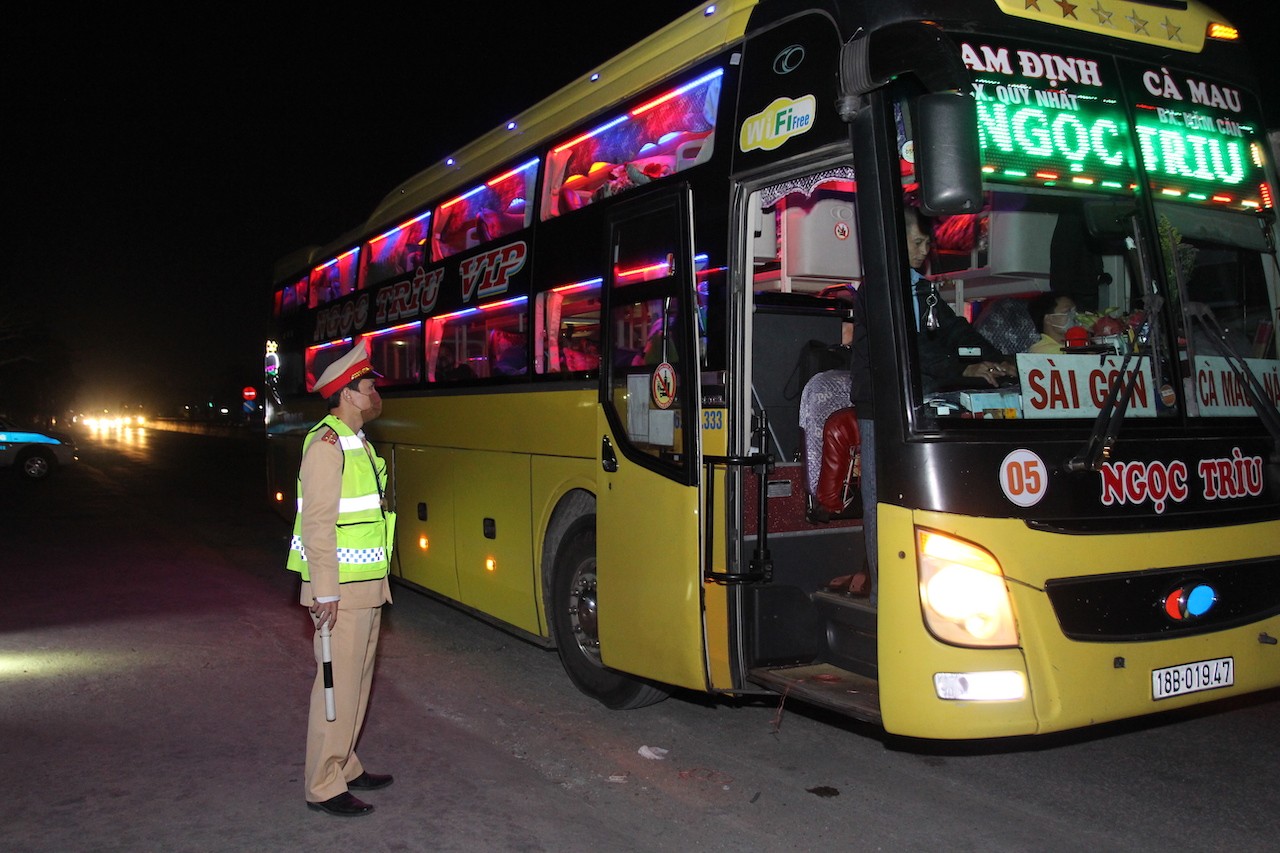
(354, 556)
(361, 527)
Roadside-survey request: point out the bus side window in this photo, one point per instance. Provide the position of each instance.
(568, 323)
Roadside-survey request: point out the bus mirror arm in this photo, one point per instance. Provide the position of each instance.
(949, 160)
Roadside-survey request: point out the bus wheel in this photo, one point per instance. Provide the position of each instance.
(574, 621)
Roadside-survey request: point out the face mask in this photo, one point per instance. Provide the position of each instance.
(1068, 319)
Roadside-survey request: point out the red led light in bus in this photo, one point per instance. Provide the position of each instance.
(590, 133)
(491, 183)
(490, 307)
(393, 329)
(517, 170)
(330, 263)
(675, 93)
(581, 285)
(399, 228)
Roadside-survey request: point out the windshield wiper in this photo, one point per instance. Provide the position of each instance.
(1106, 426)
(1204, 317)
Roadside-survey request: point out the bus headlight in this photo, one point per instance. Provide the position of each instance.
(962, 593)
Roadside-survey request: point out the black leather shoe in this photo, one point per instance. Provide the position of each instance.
(367, 781)
(343, 805)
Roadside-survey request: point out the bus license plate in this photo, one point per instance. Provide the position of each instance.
(1192, 677)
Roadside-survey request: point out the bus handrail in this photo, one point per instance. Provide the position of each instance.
(761, 565)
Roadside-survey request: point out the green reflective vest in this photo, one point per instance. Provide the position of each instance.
(364, 530)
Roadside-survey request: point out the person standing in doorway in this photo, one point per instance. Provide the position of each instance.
(341, 547)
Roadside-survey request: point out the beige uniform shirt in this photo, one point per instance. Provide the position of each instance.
(321, 479)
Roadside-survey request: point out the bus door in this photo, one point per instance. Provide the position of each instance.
(648, 521)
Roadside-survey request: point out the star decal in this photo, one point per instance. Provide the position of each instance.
(1104, 16)
(1172, 29)
(1068, 9)
(1139, 25)
(1032, 4)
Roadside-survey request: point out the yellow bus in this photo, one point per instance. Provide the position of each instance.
(623, 419)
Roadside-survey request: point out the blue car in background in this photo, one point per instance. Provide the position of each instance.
(32, 452)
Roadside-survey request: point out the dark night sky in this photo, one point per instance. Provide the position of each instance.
(157, 164)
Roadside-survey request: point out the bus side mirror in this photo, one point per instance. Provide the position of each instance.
(947, 157)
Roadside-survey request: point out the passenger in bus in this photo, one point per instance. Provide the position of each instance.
(1053, 313)
(507, 353)
(448, 369)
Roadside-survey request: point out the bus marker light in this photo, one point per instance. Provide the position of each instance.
(422, 542)
(1000, 686)
(490, 564)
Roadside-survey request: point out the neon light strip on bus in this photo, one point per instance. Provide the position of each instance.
(393, 329)
(335, 260)
(675, 93)
(661, 99)
(660, 265)
(581, 285)
(482, 187)
(492, 306)
(590, 133)
(400, 227)
(517, 170)
(339, 342)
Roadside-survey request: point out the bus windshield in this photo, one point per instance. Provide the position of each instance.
(1125, 249)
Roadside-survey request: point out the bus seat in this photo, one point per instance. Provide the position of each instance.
(829, 433)
(822, 394)
(838, 491)
(691, 152)
(1006, 323)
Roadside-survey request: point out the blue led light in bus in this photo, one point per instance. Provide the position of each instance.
(517, 170)
(399, 227)
(391, 330)
(490, 307)
(596, 132)
(675, 93)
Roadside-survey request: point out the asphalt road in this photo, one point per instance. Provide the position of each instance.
(154, 672)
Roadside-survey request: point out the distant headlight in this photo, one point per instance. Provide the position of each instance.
(963, 593)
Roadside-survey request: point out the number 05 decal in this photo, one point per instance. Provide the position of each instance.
(1024, 478)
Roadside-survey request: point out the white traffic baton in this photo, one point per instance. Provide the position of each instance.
(326, 655)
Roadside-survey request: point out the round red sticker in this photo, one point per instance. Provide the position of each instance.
(664, 385)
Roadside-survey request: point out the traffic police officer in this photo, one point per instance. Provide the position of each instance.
(341, 546)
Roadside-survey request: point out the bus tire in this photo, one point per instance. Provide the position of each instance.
(573, 620)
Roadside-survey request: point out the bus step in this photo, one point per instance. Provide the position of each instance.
(825, 685)
(850, 629)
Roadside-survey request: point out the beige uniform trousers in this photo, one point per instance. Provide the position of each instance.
(331, 759)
